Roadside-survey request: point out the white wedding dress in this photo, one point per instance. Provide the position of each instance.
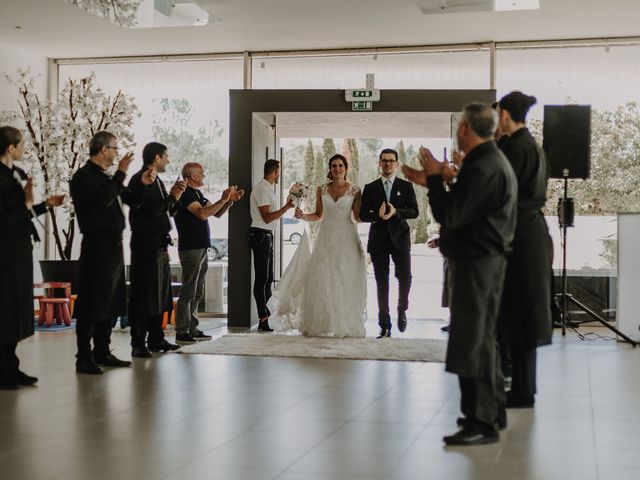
(323, 293)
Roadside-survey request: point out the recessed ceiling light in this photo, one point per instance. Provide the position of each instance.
(505, 5)
(18, 27)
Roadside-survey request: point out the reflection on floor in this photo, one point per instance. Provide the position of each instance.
(223, 417)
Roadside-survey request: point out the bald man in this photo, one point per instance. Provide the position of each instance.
(193, 241)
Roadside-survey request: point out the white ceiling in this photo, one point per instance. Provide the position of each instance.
(59, 30)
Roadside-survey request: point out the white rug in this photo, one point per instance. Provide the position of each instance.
(274, 345)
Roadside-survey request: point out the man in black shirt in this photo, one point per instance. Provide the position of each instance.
(193, 242)
(150, 272)
(477, 222)
(97, 197)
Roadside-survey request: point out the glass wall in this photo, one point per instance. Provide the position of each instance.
(605, 78)
(445, 70)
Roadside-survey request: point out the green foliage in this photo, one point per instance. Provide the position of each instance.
(614, 184)
(172, 127)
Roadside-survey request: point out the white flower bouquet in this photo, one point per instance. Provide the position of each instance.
(298, 192)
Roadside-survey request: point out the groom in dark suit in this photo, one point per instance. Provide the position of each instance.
(387, 203)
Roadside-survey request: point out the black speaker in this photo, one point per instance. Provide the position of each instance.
(567, 140)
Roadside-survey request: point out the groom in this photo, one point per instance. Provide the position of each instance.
(387, 203)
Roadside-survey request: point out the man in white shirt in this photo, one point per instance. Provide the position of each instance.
(264, 220)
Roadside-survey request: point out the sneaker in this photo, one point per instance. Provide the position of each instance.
(264, 326)
(184, 339)
(200, 336)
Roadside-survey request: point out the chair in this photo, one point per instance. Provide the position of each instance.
(54, 308)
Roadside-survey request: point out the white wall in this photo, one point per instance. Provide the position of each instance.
(11, 60)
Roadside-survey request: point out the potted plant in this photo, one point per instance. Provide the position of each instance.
(57, 144)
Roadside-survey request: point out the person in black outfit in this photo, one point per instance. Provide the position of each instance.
(151, 294)
(97, 197)
(16, 257)
(526, 305)
(477, 219)
(387, 203)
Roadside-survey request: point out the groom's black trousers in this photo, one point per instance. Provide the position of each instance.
(402, 262)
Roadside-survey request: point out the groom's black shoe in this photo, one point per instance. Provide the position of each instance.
(263, 326)
(384, 332)
(402, 321)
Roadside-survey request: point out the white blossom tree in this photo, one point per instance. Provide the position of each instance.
(59, 135)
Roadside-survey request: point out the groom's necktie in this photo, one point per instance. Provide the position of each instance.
(387, 188)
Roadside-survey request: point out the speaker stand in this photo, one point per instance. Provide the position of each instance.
(563, 299)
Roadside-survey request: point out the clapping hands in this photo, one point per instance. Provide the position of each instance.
(123, 164)
(383, 213)
(54, 200)
(178, 188)
(149, 176)
(236, 194)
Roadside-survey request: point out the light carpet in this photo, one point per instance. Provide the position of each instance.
(274, 345)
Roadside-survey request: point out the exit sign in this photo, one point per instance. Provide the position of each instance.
(361, 106)
(373, 95)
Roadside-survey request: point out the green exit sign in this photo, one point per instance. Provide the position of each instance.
(372, 95)
(361, 106)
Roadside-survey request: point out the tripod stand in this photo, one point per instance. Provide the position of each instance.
(562, 300)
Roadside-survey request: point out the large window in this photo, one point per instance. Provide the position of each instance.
(442, 70)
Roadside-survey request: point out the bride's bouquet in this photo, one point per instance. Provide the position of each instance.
(298, 192)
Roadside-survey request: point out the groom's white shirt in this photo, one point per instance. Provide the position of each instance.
(263, 193)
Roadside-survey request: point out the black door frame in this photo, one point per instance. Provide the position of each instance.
(244, 103)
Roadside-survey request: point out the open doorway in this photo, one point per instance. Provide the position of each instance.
(281, 124)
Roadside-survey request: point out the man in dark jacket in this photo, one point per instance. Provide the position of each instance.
(97, 197)
(151, 294)
(387, 203)
(16, 260)
(477, 218)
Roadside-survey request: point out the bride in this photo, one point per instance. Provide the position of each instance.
(323, 293)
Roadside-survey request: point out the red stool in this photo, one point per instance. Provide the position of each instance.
(51, 308)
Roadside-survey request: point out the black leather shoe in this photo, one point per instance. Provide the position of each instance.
(111, 360)
(88, 367)
(9, 382)
(141, 352)
(384, 333)
(24, 379)
(402, 321)
(519, 401)
(263, 326)
(163, 347)
(471, 435)
(462, 422)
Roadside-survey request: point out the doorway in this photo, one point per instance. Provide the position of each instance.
(262, 119)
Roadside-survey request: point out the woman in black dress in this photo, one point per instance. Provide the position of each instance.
(16, 260)
(526, 298)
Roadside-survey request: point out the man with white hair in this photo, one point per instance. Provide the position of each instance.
(477, 218)
(193, 241)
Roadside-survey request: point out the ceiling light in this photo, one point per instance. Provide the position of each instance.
(505, 5)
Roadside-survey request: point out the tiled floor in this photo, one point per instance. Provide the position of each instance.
(231, 418)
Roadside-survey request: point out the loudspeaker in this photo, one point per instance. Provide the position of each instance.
(567, 140)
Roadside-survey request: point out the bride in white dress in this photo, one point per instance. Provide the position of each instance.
(323, 293)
